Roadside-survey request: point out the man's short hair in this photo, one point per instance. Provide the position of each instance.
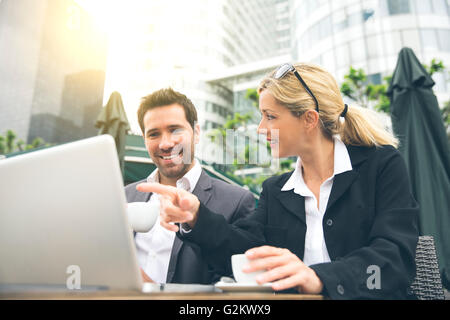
(166, 97)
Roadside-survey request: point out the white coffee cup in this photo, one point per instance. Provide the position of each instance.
(142, 215)
(238, 261)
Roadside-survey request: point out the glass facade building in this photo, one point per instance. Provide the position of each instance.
(369, 34)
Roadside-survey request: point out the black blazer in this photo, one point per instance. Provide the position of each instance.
(187, 264)
(371, 220)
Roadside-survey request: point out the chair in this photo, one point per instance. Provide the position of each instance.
(427, 284)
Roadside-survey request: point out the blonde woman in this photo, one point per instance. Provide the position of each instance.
(343, 223)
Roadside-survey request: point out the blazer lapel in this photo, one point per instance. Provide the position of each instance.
(340, 184)
(143, 197)
(177, 244)
(344, 180)
(202, 192)
(203, 187)
(293, 202)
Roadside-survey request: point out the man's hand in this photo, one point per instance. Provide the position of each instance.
(145, 277)
(177, 205)
(284, 269)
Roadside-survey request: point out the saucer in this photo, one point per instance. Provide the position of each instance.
(243, 287)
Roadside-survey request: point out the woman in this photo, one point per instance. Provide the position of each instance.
(343, 223)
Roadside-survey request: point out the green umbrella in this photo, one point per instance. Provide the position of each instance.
(113, 120)
(417, 121)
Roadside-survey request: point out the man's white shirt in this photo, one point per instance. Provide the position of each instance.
(155, 246)
(315, 246)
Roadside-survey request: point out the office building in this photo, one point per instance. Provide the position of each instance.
(369, 34)
(52, 70)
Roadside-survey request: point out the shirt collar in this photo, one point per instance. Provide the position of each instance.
(342, 163)
(187, 182)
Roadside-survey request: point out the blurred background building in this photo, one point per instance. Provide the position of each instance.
(183, 44)
(52, 70)
(369, 34)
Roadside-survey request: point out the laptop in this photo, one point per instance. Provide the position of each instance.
(63, 221)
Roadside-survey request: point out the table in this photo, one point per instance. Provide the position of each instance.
(135, 295)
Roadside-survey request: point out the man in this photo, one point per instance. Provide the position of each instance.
(168, 122)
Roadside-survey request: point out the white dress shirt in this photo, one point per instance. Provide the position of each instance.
(315, 246)
(155, 246)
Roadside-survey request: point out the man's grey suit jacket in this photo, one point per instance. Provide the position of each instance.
(186, 262)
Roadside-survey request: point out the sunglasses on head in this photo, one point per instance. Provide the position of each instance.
(285, 69)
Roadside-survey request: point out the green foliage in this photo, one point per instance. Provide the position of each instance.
(252, 94)
(286, 164)
(446, 113)
(434, 67)
(446, 117)
(2, 145)
(357, 88)
(8, 143)
(237, 121)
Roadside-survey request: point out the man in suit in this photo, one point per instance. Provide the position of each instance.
(168, 123)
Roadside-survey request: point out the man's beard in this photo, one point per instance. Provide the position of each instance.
(178, 170)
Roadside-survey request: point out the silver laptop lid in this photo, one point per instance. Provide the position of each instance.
(63, 219)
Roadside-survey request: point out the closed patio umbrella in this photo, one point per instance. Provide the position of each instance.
(417, 122)
(113, 120)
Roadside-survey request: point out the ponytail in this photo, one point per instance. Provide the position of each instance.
(362, 127)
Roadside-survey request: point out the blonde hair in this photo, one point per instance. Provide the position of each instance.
(361, 126)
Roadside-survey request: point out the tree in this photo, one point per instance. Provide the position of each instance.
(252, 95)
(8, 143)
(357, 88)
(446, 117)
(2, 145)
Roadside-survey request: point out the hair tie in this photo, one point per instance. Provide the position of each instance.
(345, 111)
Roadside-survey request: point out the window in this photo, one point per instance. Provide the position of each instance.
(284, 44)
(325, 27)
(328, 60)
(374, 44)
(311, 5)
(358, 50)
(399, 7)
(392, 42)
(411, 39)
(444, 39)
(314, 33)
(283, 33)
(317, 60)
(423, 6)
(440, 7)
(340, 21)
(342, 56)
(374, 78)
(305, 42)
(370, 8)
(355, 18)
(429, 39)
